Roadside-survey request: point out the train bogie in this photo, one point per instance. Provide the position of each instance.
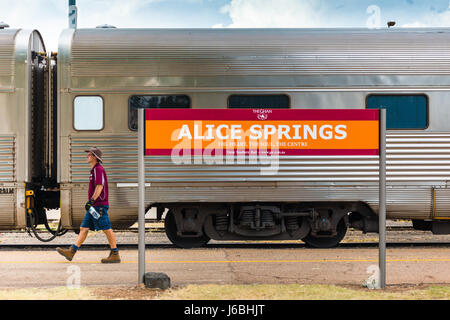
(321, 224)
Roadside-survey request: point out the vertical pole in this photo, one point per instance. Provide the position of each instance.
(141, 183)
(382, 201)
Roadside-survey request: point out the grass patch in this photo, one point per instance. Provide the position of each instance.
(232, 292)
(299, 292)
(58, 293)
(438, 292)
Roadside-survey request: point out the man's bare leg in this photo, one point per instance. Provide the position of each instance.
(111, 238)
(82, 236)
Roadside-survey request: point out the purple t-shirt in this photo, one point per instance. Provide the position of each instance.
(98, 177)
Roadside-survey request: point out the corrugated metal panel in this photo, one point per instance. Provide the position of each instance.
(442, 203)
(7, 210)
(7, 52)
(7, 174)
(203, 52)
(120, 157)
(122, 212)
(7, 159)
(401, 202)
(411, 157)
(124, 201)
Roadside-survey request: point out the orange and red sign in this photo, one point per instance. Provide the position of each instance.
(293, 132)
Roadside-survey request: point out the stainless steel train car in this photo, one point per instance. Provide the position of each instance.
(104, 74)
(25, 154)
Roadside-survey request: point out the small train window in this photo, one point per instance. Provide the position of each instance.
(161, 102)
(88, 113)
(264, 101)
(402, 111)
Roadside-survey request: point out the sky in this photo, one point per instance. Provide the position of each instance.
(50, 16)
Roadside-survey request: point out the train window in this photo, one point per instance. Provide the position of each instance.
(88, 113)
(264, 101)
(161, 102)
(402, 111)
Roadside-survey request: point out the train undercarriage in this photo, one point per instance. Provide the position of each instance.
(193, 225)
(320, 225)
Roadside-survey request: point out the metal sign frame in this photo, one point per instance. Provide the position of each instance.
(381, 189)
(141, 184)
(382, 202)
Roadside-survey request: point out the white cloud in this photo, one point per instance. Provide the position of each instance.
(434, 19)
(118, 13)
(50, 16)
(225, 9)
(416, 24)
(280, 13)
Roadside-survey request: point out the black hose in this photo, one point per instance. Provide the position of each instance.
(57, 233)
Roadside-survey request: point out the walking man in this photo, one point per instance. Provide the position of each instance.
(98, 198)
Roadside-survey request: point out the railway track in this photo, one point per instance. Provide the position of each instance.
(160, 229)
(400, 234)
(159, 226)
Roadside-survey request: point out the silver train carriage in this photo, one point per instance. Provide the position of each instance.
(103, 74)
(26, 157)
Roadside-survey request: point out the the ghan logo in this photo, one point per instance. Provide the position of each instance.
(274, 131)
(262, 114)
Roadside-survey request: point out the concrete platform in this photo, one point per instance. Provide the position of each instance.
(22, 269)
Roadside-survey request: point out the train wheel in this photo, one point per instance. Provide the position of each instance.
(327, 242)
(182, 242)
